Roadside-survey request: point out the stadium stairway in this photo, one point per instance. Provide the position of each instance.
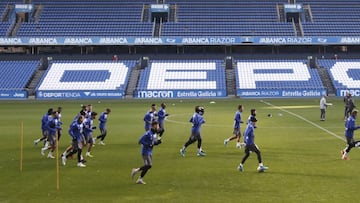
(133, 81)
(326, 80)
(145, 13)
(230, 81)
(34, 82)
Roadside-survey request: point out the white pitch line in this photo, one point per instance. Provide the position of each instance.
(304, 119)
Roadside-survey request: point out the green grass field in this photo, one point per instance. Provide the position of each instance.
(302, 153)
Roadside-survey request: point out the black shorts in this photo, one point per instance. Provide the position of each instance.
(252, 148)
(195, 136)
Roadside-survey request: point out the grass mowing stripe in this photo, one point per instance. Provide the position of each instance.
(304, 119)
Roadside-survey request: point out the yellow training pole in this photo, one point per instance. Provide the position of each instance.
(21, 144)
(57, 162)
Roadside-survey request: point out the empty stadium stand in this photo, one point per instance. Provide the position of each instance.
(90, 75)
(189, 77)
(227, 18)
(88, 18)
(333, 18)
(16, 74)
(178, 72)
(278, 78)
(345, 73)
(85, 79)
(238, 29)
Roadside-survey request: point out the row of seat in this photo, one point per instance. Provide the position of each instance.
(180, 74)
(87, 76)
(16, 74)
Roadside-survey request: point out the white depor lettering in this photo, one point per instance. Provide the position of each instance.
(339, 72)
(180, 76)
(248, 79)
(118, 73)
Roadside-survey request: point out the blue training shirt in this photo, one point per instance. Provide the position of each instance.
(147, 142)
(249, 136)
(350, 127)
(237, 119)
(161, 116)
(102, 120)
(148, 119)
(45, 118)
(76, 131)
(197, 120)
(52, 125)
(88, 126)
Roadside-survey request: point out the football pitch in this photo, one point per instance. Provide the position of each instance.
(302, 153)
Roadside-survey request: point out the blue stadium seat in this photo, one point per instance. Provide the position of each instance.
(183, 75)
(16, 74)
(276, 74)
(87, 75)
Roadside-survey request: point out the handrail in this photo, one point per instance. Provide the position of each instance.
(310, 13)
(277, 11)
(301, 28)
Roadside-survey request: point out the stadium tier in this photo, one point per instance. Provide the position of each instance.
(281, 78)
(333, 18)
(182, 79)
(228, 18)
(198, 18)
(14, 77)
(87, 18)
(16, 74)
(151, 29)
(79, 79)
(345, 75)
